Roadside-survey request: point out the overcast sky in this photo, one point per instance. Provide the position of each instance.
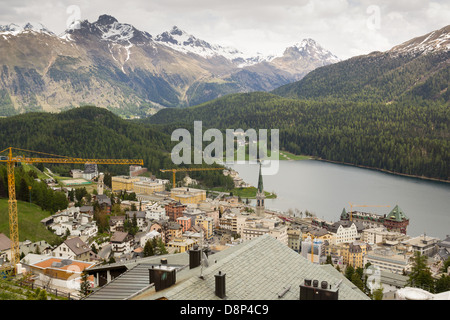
(345, 27)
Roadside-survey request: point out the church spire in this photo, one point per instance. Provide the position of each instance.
(260, 196)
(260, 180)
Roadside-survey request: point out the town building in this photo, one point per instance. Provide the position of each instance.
(353, 253)
(318, 253)
(233, 222)
(443, 251)
(62, 273)
(123, 183)
(334, 251)
(121, 243)
(104, 202)
(255, 227)
(381, 235)
(155, 211)
(192, 213)
(5, 248)
(137, 171)
(187, 195)
(139, 216)
(74, 223)
(173, 230)
(207, 224)
(424, 244)
(185, 223)
(174, 210)
(345, 231)
(38, 247)
(319, 234)
(180, 245)
(73, 249)
(149, 236)
(116, 223)
(396, 220)
(388, 259)
(294, 239)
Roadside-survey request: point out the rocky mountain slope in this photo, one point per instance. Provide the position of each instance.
(116, 66)
(416, 69)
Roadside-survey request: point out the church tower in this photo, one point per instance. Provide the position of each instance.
(260, 196)
(100, 184)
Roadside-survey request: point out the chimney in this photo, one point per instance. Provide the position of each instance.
(318, 293)
(194, 257)
(220, 285)
(163, 277)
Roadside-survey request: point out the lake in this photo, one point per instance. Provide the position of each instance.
(326, 188)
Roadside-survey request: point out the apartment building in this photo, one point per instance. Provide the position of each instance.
(353, 253)
(187, 195)
(388, 260)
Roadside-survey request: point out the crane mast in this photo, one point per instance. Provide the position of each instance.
(174, 171)
(12, 202)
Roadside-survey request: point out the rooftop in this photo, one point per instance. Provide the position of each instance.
(257, 269)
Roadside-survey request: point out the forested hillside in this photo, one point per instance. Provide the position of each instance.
(378, 77)
(386, 110)
(399, 137)
(90, 132)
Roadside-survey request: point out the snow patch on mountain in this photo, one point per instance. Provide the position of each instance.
(438, 40)
(310, 48)
(186, 43)
(13, 29)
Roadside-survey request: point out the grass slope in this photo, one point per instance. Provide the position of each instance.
(30, 227)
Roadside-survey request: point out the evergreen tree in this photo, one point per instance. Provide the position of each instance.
(349, 271)
(442, 284)
(148, 249)
(84, 285)
(161, 247)
(378, 294)
(420, 276)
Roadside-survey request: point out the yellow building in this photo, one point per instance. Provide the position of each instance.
(147, 187)
(353, 253)
(123, 183)
(317, 234)
(188, 195)
(137, 185)
(181, 245)
(207, 223)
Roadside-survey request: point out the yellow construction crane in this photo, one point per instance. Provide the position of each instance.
(174, 171)
(12, 159)
(360, 205)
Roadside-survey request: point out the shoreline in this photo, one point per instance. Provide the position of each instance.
(383, 170)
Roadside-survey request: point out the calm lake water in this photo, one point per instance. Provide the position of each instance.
(326, 188)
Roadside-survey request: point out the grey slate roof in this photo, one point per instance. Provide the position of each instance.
(124, 286)
(5, 242)
(255, 270)
(77, 245)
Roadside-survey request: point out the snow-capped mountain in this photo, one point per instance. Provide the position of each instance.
(14, 29)
(312, 50)
(438, 40)
(114, 65)
(182, 41)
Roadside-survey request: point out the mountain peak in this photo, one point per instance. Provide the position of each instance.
(437, 40)
(14, 29)
(176, 31)
(308, 48)
(105, 19)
